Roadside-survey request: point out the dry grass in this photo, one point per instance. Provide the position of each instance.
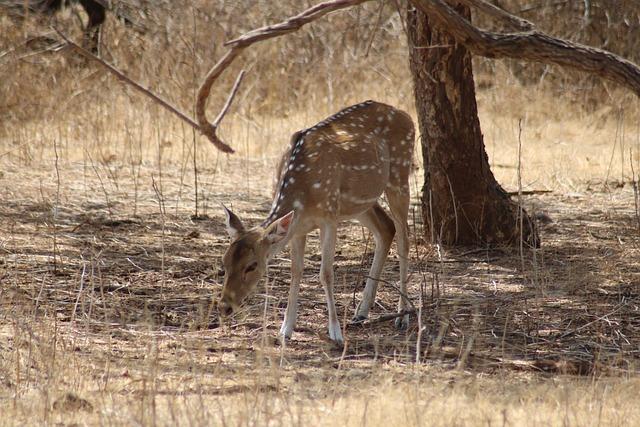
(108, 280)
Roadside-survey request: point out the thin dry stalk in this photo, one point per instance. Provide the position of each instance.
(635, 183)
(161, 208)
(80, 289)
(521, 214)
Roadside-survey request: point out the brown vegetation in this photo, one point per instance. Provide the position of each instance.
(107, 279)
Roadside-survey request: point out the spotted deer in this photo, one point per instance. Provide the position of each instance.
(333, 171)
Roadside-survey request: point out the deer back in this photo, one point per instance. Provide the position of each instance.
(340, 167)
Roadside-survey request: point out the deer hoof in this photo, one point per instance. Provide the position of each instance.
(335, 334)
(283, 340)
(402, 323)
(358, 319)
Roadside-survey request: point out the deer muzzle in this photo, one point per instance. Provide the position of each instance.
(225, 307)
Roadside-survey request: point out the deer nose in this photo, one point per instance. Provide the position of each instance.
(225, 309)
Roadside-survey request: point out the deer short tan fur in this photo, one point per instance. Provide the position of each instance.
(333, 171)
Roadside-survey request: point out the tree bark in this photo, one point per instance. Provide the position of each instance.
(462, 202)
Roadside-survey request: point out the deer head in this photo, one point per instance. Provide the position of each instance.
(245, 261)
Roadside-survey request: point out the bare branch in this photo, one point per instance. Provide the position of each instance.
(209, 129)
(533, 46)
(502, 15)
(294, 23)
(238, 45)
(232, 95)
(121, 76)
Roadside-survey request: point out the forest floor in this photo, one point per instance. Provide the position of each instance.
(107, 311)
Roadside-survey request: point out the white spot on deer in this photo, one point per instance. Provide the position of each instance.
(316, 185)
(291, 180)
(380, 118)
(297, 204)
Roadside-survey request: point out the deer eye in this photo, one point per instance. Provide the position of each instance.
(251, 267)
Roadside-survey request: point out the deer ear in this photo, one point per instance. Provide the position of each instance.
(278, 229)
(234, 225)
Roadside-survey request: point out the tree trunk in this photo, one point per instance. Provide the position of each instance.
(462, 203)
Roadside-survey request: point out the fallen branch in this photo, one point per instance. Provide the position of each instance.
(528, 192)
(532, 45)
(383, 318)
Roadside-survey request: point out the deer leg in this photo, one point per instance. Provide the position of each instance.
(376, 220)
(297, 268)
(399, 206)
(328, 233)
